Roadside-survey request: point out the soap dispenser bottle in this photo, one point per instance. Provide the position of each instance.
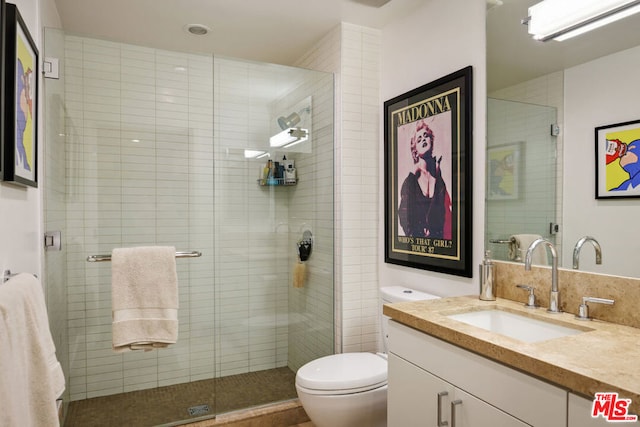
(487, 278)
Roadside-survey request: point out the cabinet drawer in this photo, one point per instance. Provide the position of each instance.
(528, 399)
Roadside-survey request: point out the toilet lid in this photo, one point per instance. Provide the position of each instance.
(343, 372)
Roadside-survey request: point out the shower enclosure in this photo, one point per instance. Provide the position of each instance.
(151, 147)
(521, 173)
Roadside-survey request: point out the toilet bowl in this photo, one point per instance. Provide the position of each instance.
(350, 389)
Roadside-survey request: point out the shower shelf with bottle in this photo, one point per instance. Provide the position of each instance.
(278, 173)
(276, 182)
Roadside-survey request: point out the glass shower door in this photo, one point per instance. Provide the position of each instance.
(521, 174)
(265, 326)
(127, 130)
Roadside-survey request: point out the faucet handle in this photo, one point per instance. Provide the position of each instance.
(583, 310)
(531, 302)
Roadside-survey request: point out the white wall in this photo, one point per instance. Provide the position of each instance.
(352, 52)
(49, 14)
(442, 37)
(601, 92)
(20, 207)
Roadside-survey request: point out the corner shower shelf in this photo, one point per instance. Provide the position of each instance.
(272, 182)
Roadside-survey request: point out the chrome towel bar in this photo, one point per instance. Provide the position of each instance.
(102, 258)
(502, 241)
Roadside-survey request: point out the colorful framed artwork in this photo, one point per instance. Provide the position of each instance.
(428, 165)
(504, 170)
(19, 145)
(617, 160)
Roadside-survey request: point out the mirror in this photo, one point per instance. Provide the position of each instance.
(539, 81)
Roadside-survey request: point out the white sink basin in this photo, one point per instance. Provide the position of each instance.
(522, 328)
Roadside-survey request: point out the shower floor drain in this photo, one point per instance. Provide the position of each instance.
(198, 410)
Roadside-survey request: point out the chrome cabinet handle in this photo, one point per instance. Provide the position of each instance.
(453, 411)
(439, 421)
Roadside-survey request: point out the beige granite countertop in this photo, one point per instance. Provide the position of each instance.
(604, 358)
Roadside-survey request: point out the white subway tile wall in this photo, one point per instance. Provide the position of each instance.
(353, 53)
(155, 143)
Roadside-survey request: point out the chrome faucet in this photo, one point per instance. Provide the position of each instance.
(554, 295)
(576, 250)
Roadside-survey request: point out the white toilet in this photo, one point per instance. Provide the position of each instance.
(350, 389)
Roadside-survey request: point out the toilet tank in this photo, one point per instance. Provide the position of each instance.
(391, 294)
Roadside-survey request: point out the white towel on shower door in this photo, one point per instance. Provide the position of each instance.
(144, 287)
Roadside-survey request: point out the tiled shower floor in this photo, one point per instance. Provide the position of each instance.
(169, 404)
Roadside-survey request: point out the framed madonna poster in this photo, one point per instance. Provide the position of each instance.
(427, 149)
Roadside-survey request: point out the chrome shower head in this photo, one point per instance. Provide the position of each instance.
(288, 122)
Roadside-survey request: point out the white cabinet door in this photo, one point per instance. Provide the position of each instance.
(580, 414)
(469, 411)
(418, 398)
(535, 402)
(413, 396)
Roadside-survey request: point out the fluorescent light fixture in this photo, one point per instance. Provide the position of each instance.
(254, 154)
(563, 19)
(289, 137)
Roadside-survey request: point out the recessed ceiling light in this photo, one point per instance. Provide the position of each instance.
(197, 29)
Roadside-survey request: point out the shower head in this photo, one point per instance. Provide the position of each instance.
(288, 122)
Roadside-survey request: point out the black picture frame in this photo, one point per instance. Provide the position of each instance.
(20, 136)
(427, 176)
(3, 14)
(613, 143)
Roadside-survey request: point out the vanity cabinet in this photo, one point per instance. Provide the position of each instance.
(426, 400)
(483, 392)
(580, 414)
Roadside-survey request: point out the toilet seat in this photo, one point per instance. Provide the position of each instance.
(343, 373)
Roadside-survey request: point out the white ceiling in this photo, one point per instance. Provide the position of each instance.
(275, 31)
(281, 31)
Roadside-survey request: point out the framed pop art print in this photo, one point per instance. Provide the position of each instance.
(617, 164)
(19, 145)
